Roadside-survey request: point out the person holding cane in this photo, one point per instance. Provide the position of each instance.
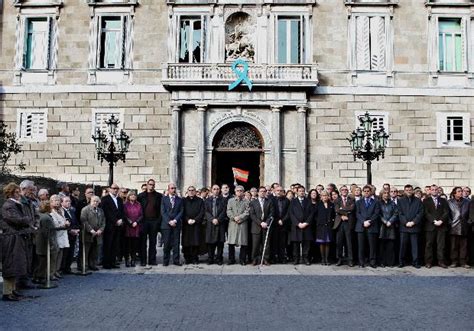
(261, 213)
(93, 220)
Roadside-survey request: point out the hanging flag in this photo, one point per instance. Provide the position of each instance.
(240, 174)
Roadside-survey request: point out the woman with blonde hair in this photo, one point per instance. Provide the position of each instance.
(61, 225)
(134, 215)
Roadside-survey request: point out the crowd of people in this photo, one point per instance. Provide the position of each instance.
(269, 225)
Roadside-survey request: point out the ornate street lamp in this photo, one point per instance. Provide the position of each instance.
(112, 147)
(368, 145)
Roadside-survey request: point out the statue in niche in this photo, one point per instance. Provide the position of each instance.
(240, 37)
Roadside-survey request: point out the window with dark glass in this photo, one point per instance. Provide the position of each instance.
(191, 40)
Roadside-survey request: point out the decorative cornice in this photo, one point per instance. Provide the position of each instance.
(371, 2)
(112, 3)
(50, 3)
(449, 3)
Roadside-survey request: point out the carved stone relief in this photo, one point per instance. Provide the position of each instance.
(240, 37)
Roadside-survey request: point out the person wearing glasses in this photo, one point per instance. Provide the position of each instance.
(112, 205)
(459, 207)
(238, 214)
(193, 216)
(394, 195)
(150, 200)
(344, 224)
(261, 216)
(171, 222)
(367, 226)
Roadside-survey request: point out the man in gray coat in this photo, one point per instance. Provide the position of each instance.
(238, 214)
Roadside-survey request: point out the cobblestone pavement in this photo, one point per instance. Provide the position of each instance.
(243, 298)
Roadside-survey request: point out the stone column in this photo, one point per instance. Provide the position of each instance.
(174, 144)
(301, 148)
(201, 147)
(276, 150)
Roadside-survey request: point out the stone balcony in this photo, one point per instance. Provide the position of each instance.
(297, 76)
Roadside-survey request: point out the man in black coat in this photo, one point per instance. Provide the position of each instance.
(436, 224)
(193, 216)
(367, 225)
(150, 200)
(216, 223)
(261, 215)
(171, 222)
(73, 234)
(301, 216)
(344, 224)
(112, 205)
(411, 215)
(279, 229)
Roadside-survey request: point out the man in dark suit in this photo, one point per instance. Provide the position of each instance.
(410, 214)
(150, 201)
(301, 217)
(216, 221)
(279, 229)
(344, 224)
(436, 224)
(112, 205)
(171, 222)
(73, 234)
(261, 215)
(367, 225)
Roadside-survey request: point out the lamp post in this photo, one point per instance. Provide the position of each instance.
(111, 147)
(368, 145)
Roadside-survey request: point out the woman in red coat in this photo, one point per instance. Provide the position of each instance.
(134, 214)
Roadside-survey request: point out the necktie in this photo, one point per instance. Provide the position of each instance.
(261, 206)
(280, 206)
(367, 203)
(214, 207)
(344, 202)
(172, 201)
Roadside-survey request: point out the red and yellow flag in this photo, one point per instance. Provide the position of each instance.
(240, 174)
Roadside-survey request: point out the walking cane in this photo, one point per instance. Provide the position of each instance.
(83, 257)
(48, 284)
(266, 240)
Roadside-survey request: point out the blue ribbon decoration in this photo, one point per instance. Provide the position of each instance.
(242, 76)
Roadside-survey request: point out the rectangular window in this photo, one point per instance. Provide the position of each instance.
(450, 45)
(370, 43)
(454, 129)
(32, 125)
(289, 40)
(112, 42)
(37, 43)
(191, 40)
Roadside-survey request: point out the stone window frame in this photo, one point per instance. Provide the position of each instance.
(442, 130)
(379, 115)
(50, 10)
(174, 23)
(305, 14)
(370, 8)
(105, 113)
(110, 8)
(462, 10)
(38, 124)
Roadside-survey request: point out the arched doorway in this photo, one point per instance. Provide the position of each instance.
(238, 145)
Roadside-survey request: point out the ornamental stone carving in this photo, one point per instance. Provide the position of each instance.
(238, 137)
(240, 37)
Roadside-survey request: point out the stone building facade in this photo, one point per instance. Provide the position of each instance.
(164, 67)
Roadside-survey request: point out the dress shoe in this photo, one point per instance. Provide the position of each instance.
(373, 266)
(417, 265)
(153, 263)
(362, 265)
(132, 264)
(466, 266)
(351, 264)
(219, 262)
(210, 262)
(178, 264)
(58, 275)
(307, 262)
(116, 266)
(453, 265)
(231, 262)
(267, 263)
(10, 297)
(428, 266)
(53, 278)
(442, 265)
(382, 265)
(165, 264)
(401, 265)
(107, 267)
(23, 296)
(243, 263)
(339, 263)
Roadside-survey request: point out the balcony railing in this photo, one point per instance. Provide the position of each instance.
(272, 75)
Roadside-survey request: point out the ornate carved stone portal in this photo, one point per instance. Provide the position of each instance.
(238, 136)
(240, 37)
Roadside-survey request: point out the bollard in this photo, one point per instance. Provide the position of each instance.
(48, 284)
(83, 271)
